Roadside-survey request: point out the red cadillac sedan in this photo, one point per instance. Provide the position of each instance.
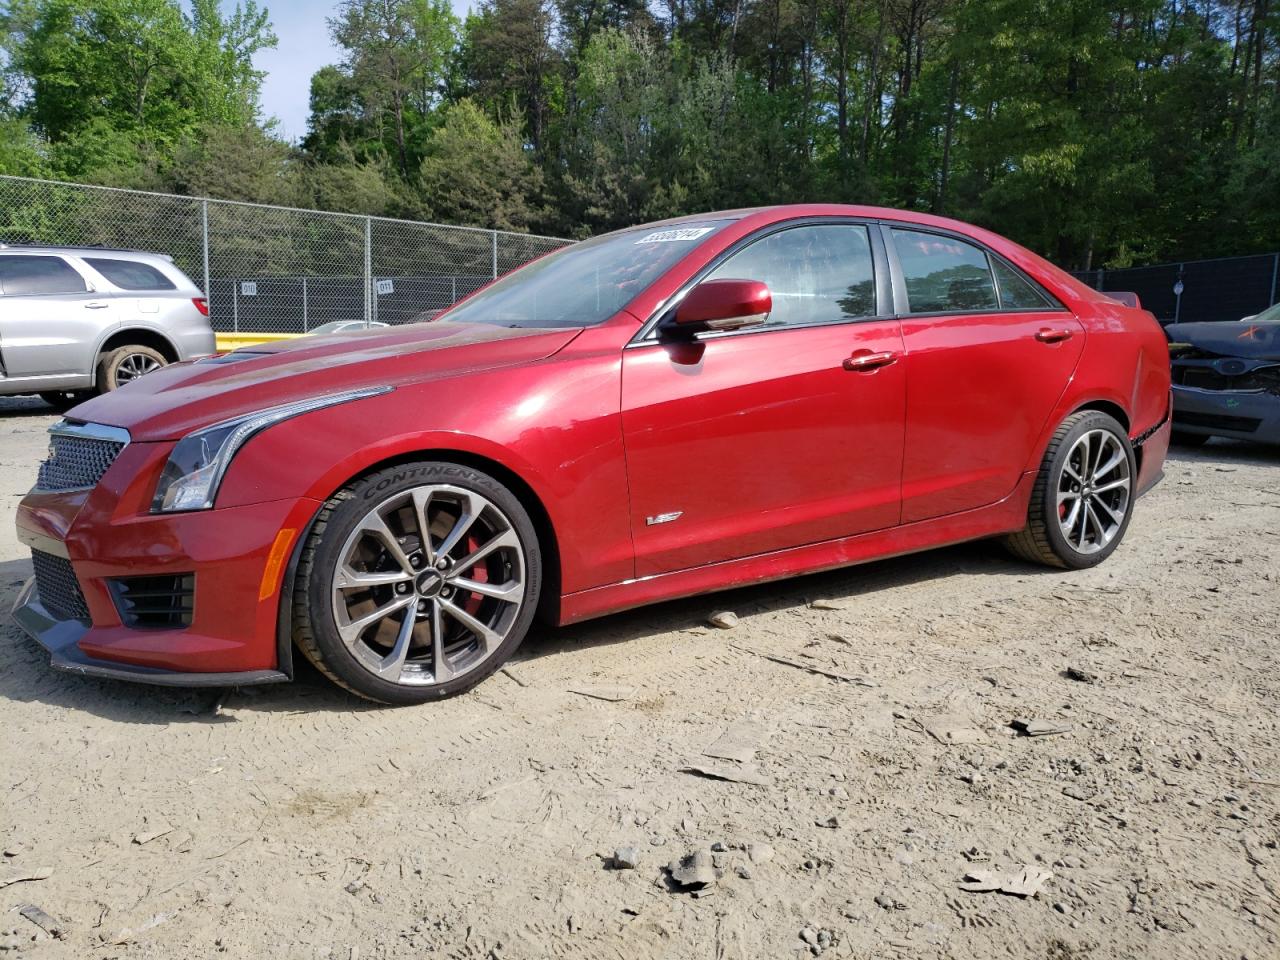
(667, 410)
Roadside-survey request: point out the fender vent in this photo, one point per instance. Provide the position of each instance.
(155, 603)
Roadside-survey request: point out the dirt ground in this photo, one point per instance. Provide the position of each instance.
(297, 821)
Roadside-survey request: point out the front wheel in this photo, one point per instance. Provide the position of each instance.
(1083, 495)
(417, 582)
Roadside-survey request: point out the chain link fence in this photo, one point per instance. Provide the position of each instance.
(269, 269)
(1198, 290)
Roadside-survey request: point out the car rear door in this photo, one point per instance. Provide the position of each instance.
(742, 443)
(50, 319)
(988, 355)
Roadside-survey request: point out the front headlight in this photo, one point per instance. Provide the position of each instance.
(191, 478)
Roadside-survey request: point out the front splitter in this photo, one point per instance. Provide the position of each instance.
(62, 637)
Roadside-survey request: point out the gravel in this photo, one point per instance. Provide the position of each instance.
(474, 826)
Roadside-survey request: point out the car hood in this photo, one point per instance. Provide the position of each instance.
(170, 403)
(1253, 341)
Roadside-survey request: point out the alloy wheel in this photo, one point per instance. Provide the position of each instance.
(133, 366)
(428, 584)
(1094, 491)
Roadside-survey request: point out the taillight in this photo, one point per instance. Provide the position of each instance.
(201, 304)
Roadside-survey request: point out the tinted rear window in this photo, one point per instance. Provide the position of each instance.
(25, 275)
(943, 274)
(130, 275)
(1016, 291)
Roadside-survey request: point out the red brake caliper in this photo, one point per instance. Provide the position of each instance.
(479, 574)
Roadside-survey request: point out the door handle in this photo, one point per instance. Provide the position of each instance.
(95, 305)
(866, 362)
(1047, 335)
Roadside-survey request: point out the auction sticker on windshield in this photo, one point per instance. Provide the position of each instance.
(675, 236)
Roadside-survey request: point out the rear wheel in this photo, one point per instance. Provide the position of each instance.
(1083, 496)
(125, 364)
(417, 582)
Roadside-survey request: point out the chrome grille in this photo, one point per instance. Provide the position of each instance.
(58, 587)
(79, 454)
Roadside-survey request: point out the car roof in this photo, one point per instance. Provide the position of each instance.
(786, 211)
(1022, 257)
(82, 249)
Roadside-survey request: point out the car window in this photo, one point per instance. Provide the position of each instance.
(130, 275)
(943, 274)
(821, 273)
(583, 284)
(22, 274)
(1016, 291)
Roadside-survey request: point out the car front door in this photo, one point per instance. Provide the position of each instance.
(989, 354)
(50, 319)
(743, 443)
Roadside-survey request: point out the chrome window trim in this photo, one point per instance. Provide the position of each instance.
(902, 304)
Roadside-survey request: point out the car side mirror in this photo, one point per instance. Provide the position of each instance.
(723, 305)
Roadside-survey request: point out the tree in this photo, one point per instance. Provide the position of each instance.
(348, 184)
(236, 162)
(397, 51)
(222, 74)
(1098, 132)
(338, 124)
(476, 172)
(156, 77)
(507, 62)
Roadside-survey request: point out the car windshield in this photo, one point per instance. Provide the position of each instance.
(583, 284)
(1270, 315)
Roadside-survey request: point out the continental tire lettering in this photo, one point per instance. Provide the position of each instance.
(405, 476)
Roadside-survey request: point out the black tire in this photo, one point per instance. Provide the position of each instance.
(115, 366)
(1042, 540)
(1189, 440)
(64, 400)
(315, 624)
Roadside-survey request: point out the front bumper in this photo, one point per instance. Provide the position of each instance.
(62, 639)
(1241, 414)
(234, 553)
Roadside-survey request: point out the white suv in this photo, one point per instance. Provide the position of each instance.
(79, 320)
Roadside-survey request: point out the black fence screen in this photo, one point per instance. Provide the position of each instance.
(300, 304)
(1211, 290)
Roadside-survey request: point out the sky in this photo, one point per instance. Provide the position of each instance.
(303, 49)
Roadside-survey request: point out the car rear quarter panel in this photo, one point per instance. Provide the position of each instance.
(554, 424)
(1125, 365)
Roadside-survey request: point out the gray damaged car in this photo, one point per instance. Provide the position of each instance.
(1226, 379)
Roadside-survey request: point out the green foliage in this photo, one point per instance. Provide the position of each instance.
(113, 86)
(241, 161)
(1099, 132)
(477, 173)
(397, 54)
